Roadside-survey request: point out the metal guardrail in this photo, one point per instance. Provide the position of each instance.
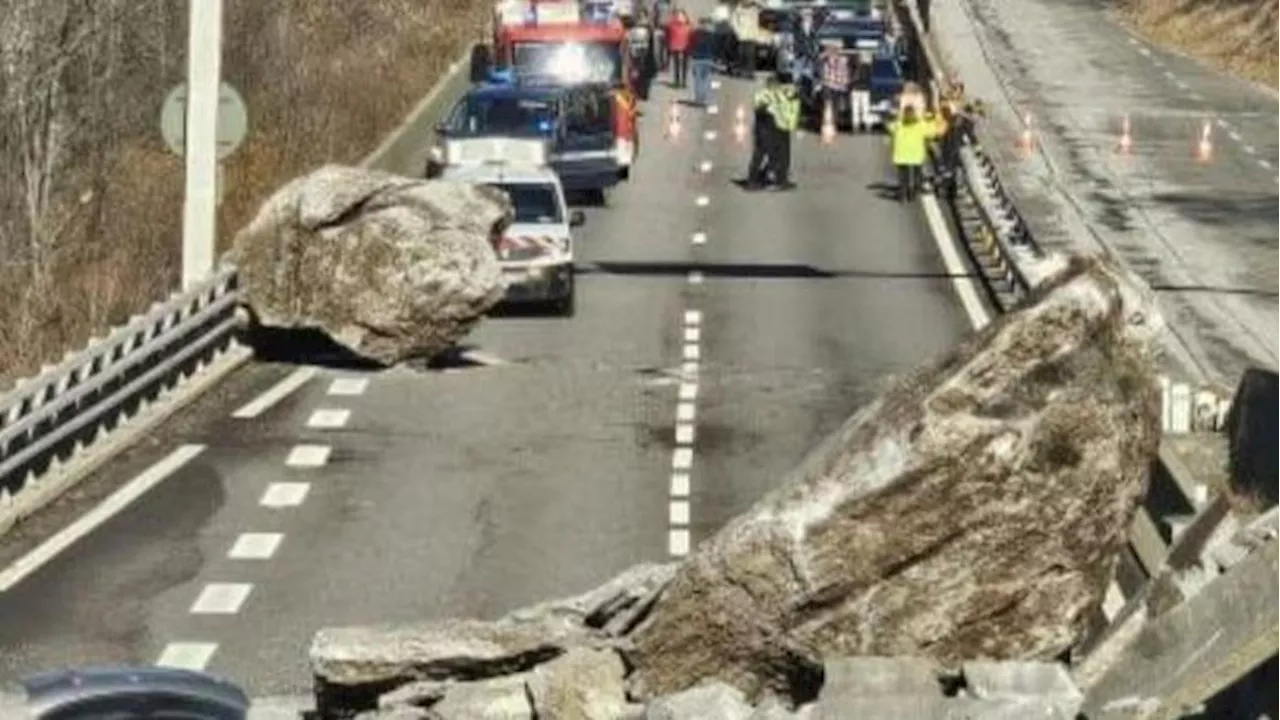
(46, 419)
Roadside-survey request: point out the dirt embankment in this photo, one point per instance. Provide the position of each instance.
(1239, 36)
(91, 199)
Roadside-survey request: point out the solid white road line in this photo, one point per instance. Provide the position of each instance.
(276, 393)
(308, 456)
(221, 599)
(963, 284)
(285, 494)
(348, 386)
(187, 655)
(678, 542)
(90, 521)
(328, 419)
(255, 546)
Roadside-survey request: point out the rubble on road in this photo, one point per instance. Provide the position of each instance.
(389, 267)
(972, 512)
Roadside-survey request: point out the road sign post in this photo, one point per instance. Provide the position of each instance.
(199, 141)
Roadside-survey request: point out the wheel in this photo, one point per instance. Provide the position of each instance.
(566, 305)
(598, 196)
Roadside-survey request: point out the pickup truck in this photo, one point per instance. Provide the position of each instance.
(576, 123)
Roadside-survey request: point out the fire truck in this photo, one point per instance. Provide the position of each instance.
(549, 41)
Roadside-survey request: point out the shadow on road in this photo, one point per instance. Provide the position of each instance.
(750, 271)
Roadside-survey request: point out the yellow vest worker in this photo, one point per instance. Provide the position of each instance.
(910, 140)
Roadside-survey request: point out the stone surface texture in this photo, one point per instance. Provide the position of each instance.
(389, 267)
(973, 511)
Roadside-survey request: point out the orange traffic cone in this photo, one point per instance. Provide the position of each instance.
(1126, 136)
(1204, 148)
(1026, 140)
(740, 125)
(828, 126)
(673, 121)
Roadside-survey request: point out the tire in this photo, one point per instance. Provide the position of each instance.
(567, 305)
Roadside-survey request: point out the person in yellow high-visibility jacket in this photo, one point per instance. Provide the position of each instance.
(910, 136)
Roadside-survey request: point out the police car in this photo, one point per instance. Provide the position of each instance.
(536, 250)
(576, 121)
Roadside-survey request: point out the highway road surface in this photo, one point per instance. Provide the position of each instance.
(1200, 227)
(719, 336)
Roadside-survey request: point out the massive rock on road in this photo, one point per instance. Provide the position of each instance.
(973, 511)
(389, 267)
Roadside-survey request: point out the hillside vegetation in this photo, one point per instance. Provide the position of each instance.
(1239, 36)
(91, 199)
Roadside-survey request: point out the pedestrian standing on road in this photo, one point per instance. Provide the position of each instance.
(911, 133)
(860, 92)
(640, 40)
(745, 20)
(679, 35)
(777, 115)
(835, 78)
(702, 55)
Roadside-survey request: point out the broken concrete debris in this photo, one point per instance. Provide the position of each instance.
(389, 267)
(973, 512)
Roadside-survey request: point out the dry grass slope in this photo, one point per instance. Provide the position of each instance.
(324, 80)
(1239, 36)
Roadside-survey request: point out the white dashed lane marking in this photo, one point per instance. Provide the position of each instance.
(678, 542)
(328, 419)
(682, 459)
(685, 433)
(710, 135)
(308, 456)
(689, 370)
(1264, 164)
(706, 166)
(187, 655)
(686, 412)
(692, 317)
(285, 494)
(1145, 52)
(92, 520)
(692, 352)
(692, 334)
(678, 513)
(275, 394)
(255, 546)
(679, 485)
(696, 277)
(1249, 150)
(703, 201)
(715, 84)
(346, 387)
(713, 109)
(700, 238)
(688, 392)
(221, 599)
(1234, 135)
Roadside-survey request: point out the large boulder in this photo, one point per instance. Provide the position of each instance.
(389, 267)
(974, 510)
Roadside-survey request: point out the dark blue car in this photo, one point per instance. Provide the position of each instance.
(576, 121)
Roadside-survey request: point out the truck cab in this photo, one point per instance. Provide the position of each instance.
(536, 251)
(576, 124)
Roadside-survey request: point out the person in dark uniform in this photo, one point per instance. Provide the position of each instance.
(777, 115)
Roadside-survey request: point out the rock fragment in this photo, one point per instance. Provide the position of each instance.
(582, 684)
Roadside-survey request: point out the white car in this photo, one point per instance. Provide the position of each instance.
(536, 251)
